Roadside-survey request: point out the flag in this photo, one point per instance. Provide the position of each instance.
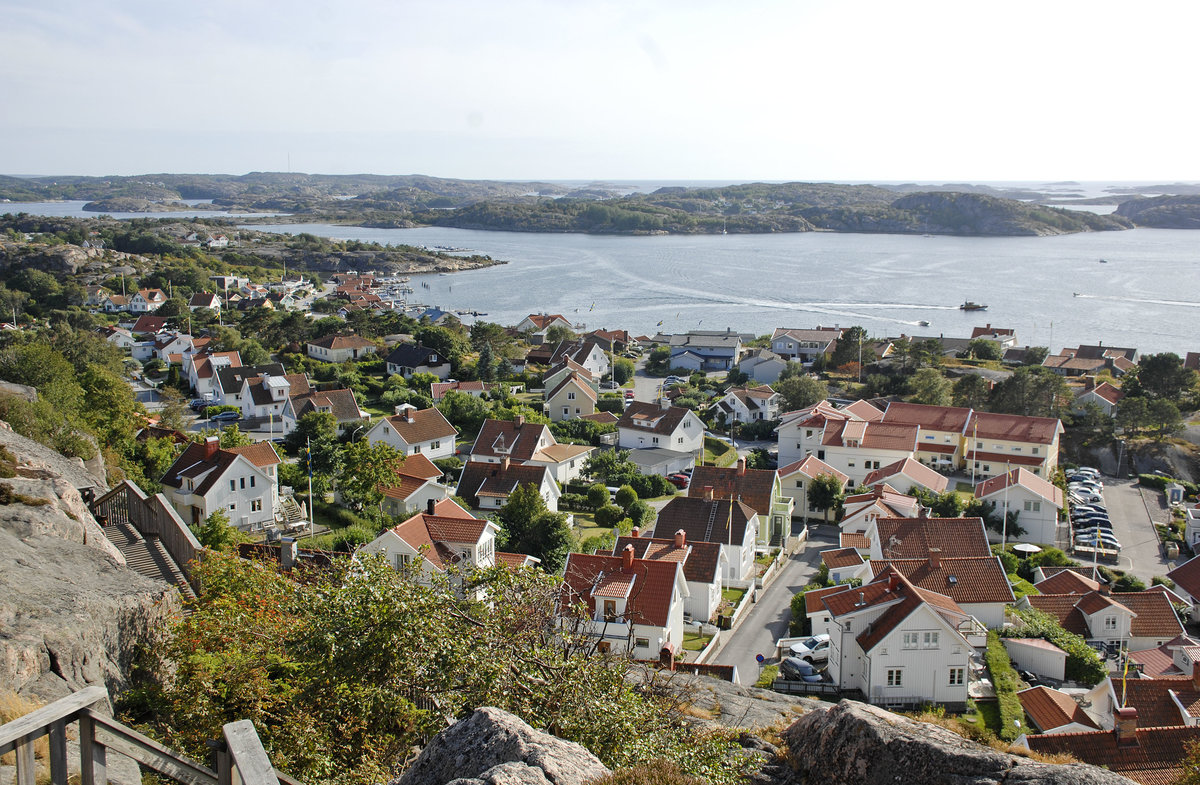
(660, 322)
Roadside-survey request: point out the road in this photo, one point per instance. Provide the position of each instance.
(768, 620)
(1132, 525)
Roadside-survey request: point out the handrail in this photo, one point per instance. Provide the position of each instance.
(241, 760)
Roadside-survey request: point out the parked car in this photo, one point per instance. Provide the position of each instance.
(226, 416)
(1085, 497)
(814, 649)
(1086, 470)
(1081, 508)
(197, 404)
(680, 481)
(629, 395)
(796, 669)
(1084, 488)
(1098, 539)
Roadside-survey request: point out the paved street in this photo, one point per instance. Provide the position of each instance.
(1140, 551)
(768, 620)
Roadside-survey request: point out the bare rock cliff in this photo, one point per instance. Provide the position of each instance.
(71, 613)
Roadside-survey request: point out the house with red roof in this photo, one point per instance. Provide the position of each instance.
(1104, 395)
(440, 538)
(915, 538)
(340, 348)
(416, 485)
(487, 486)
(731, 523)
(703, 565)
(977, 583)
(1176, 657)
(538, 323)
(1136, 620)
(1054, 711)
(999, 442)
(861, 510)
(1187, 583)
(529, 443)
(858, 447)
(1005, 336)
(1036, 502)
(759, 488)
(415, 431)
(147, 300)
(795, 477)
(201, 370)
(897, 643)
(628, 604)
(908, 473)
(239, 480)
(1146, 755)
(844, 564)
(943, 429)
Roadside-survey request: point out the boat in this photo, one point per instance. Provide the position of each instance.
(922, 323)
(1103, 261)
(970, 306)
(1074, 294)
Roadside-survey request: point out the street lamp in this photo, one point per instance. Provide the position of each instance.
(354, 435)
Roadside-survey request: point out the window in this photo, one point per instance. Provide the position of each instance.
(799, 445)
(251, 480)
(233, 506)
(799, 483)
(850, 464)
(978, 445)
(256, 505)
(434, 445)
(570, 396)
(416, 449)
(911, 640)
(233, 485)
(1032, 506)
(895, 677)
(1035, 450)
(566, 411)
(610, 610)
(930, 640)
(957, 676)
(1110, 623)
(808, 434)
(242, 483)
(654, 440)
(641, 643)
(1016, 449)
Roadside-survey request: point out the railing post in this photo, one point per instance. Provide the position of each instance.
(58, 752)
(249, 759)
(26, 774)
(93, 766)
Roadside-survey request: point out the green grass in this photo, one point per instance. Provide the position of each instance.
(718, 453)
(585, 526)
(694, 641)
(1021, 587)
(733, 596)
(966, 488)
(765, 559)
(988, 716)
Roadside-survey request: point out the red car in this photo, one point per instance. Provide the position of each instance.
(629, 394)
(680, 481)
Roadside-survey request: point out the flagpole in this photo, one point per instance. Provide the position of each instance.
(312, 532)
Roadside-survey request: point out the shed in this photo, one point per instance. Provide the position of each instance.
(1037, 656)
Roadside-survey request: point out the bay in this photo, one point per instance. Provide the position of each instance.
(1143, 295)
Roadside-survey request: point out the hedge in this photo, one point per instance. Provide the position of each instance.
(1160, 482)
(1083, 665)
(1005, 680)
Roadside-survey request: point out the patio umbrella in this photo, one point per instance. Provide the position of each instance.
(1025, 547)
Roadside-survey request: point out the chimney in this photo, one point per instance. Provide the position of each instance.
(287, 552)
(1126, 727)
(408, 415)
(635, 532)
(627, 559)
(708, 493)
(429, 505)
(520, 420)
(935, 558)
(680, 538)
(922, 512)
(211, 445)
(741, 466)
(1196, 675)
(893, 581)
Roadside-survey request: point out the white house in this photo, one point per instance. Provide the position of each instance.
(340, 403)
(407, 359)
(702, 562)
(416, 431)
(239, 480)
(897, 643)
(529, 443)
(147, 300)
(1139, 620)
(416, 486)
(231, 379)
(487, 486)
(977, 583)
(201, 370)
(1036, 501)
(540, 322)
(340, 348)
(441, 537)
(749, 404)
(844, 564)
(862, 510)
(907, 473)
(857, 447)
(648, 425)
(269, 395)
(759, 488)
(795, 477)
(804, 345)
(1054, 711)
(631, 605)
(731, 523)
(204, 300)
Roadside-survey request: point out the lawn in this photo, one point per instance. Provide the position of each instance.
(765, 559)
(585, 526)
(733, 596)
(718, 453)
(694, 641)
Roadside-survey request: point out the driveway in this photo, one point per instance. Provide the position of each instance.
(768, 621)
(1133, 526)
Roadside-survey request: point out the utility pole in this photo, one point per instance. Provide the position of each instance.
(312, 527)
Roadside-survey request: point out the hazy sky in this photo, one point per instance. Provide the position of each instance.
(575, 89)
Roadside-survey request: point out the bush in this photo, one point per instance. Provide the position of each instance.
(640, 513)
(625, 496)
(574, 502)
(609, 515)
(597, 496)
(1082, 665)
(1005, 680)
(799, 624)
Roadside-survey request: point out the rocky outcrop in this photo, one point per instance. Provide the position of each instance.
(856, 744)
(1163, 212)
(71, 613)
(712, 703)
(493, 747)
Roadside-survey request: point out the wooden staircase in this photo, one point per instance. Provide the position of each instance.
(148, 557)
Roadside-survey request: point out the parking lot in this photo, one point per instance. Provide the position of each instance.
(1133, 527)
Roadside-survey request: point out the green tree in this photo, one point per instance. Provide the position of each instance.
(527, 526)
(801, 391)
(558, 334)
(983, 349)
(464, 411)
(1164, 417)
(174, 409)
(366, 468)
(929, 387)
(315, 440)
(971, 392)
(1133, 414)
(485, 366)
(927, 352)
(853, 346)
(1161, 376)
(597, 496)
(623, 369)
(216, 534)
(625, 497)
(825, 493)
(1035, 355)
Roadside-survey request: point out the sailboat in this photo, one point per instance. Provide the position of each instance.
(723, 230)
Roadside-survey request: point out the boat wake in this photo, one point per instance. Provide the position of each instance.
(1145, 300)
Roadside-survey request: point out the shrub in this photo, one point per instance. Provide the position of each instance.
(625, 496)
(1082, 665)
(574, 502)
(640, 513)
(597, 496)
(609, 515)
(1005, 680)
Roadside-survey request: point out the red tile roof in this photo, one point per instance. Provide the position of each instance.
(841, 557)
(1151, 698)
(1051, 709)
(871, 435)
(911, 598)
(701, 560)
(915, 471)
(508, 438)
(814, 598)
(1153, 760)
(335, 342)
(450, 524)
(702, 520)
(1154, 617)
(1187, 576)
(854, 540)
(425, 425)
(1067, 582)
(260, 454)
(931, 418)
(1013, 427)
(863, 411)
(1025, 479)
(912, 538)
(497, 479)
(812, 467)
(752, 486)
(972, 580)
(649, 586)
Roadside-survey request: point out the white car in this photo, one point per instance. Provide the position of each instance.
(814, 649)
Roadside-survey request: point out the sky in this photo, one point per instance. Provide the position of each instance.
(862, 90)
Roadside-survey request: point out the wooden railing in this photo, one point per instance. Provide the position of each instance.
(152, 516)
(241, 759)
